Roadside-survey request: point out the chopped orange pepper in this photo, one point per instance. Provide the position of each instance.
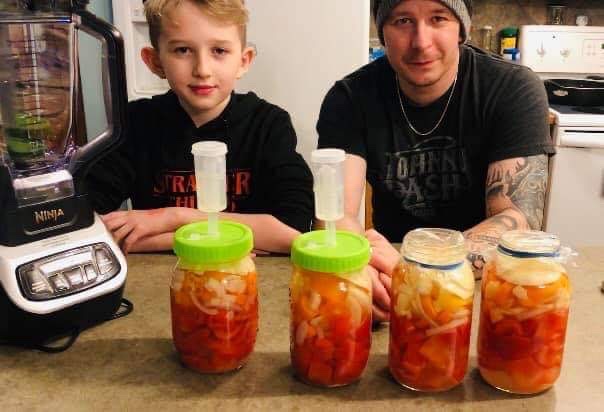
(503, 298)
(428, 307)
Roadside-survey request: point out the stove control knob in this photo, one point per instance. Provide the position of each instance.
(541, 51)
(565, 53)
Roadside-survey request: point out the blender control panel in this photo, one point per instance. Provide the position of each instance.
(67, 272)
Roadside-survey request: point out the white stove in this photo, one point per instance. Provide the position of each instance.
(577, 116)
(575, 200)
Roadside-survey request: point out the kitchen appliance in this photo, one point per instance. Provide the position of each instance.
(575, 92)
(569, 55)
(60, 269)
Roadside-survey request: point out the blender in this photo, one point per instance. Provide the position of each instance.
(60, 270)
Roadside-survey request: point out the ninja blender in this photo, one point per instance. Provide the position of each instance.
(60, 270)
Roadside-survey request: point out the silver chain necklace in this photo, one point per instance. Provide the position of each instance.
(442, 116)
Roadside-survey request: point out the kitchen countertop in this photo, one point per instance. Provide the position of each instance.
(130, 363)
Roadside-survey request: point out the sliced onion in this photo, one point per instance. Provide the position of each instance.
(314, 301)
(215, 286)
(446, 327)
(315, 321)
(234, 284)
(421, 311)
(462, 313)
(177, 280)
(301, 332)
(356, 313)
(197, 303)
(535, 312)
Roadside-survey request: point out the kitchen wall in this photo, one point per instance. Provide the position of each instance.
(503, 13)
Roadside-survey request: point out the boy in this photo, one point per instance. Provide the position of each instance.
(199, 47)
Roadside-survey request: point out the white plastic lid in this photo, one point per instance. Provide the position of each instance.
(209, 149)
(325, 156)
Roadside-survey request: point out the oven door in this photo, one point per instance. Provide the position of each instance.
(575, 201)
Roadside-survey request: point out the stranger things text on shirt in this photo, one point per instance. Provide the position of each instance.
(178, 188)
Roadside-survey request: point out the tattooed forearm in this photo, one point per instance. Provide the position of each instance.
(485, 236)
(518, 183)
(515, 198)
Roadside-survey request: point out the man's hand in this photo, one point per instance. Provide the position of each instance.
(380, 285)
(384, 257)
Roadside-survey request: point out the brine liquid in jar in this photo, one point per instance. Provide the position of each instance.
(431, 311)
(523, 313)
(214, 299)
(330, 323)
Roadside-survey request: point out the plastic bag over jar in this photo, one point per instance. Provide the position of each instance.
(213, 297)
(523, 313)
(330, 298)
(431, 312)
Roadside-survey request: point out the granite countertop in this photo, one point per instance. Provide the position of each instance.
(130, 363)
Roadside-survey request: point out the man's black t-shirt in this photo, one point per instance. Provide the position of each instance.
(154, 165)
(497, 111)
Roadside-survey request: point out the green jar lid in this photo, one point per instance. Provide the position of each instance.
(193, 244)
(311, 252)
(509, 32)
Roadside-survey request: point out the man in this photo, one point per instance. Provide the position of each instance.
(446, 134)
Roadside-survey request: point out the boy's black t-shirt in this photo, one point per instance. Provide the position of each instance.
(498, 110)
(154, 165)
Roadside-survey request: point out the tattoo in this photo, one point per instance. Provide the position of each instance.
(486, 236)
(519, 183)
(488, 232)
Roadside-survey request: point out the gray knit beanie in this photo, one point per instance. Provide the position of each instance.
(461, 8)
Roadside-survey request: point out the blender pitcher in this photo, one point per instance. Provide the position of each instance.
(43, 150)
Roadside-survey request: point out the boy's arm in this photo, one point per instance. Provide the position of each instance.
(153, 230)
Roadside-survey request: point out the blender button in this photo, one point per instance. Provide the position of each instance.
(75, 276)
(38, 283)
(102, 257)
(60, 282)
(90, 273)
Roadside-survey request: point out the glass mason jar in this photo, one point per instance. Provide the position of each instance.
(523, 313)
(330, 298)
(431, 312)
(213, 297)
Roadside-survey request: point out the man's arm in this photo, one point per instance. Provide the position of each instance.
(515, 199)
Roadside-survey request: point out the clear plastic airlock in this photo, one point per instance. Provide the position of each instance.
(210, 175)
(327, 166)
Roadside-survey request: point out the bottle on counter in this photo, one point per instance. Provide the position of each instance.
(213, 295)
(509, 39)
(330, 290)
(523, 313)
(486, 38)
(431, 312)
(330, 297)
